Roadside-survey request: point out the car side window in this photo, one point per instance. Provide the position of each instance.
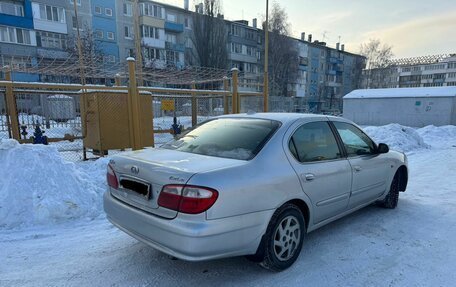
(314, 142)
(356, 142)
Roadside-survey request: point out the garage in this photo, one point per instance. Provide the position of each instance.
(415, 107)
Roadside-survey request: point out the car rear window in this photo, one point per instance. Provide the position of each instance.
(236, 138)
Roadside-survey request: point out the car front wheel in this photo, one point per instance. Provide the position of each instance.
(392, 198)
(283, 238)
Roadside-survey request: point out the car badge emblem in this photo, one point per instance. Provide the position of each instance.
(134, 169)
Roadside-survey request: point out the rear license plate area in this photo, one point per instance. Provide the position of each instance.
(137, 187)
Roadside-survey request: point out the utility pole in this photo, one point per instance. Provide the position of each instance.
(83, 79)
(266, 54)
(80, 54)
(139, 61)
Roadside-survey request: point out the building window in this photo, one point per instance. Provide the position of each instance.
(188, 43)
(51, 40)
(171, 17)
(236, 30)
(76, 24)
(99, 34)
(110, 35)
(153, 54)
(150, 32)
(130, 52)
(12, 9)
(172, 57)
(250, 68)
(236, 48)
(251, 51)
(108, 12)
(439, 76)
(51, 13)
(128, 32)
(435, 67)
(452, 65)
(127, 9)
(249, 34)
(157, 12)
(171, 38)
(78, 2)
(98, 10)
(152, 10)
(186, 23)
(15, 35)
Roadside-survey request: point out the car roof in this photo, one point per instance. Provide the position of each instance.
(281, 117)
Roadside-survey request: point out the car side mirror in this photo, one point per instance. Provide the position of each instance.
(382, 148)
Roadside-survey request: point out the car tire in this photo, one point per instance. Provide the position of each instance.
(282, 242)
(392, 198)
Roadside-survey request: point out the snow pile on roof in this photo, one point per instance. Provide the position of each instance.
(439, 137)
(38, 187)
(403, 93)
(60, 97)
(397, 137)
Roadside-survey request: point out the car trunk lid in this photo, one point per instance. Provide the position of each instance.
(142, 175)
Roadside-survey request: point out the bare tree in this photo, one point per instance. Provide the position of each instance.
(91, 48)
(378, 59)
(210, 36)
(92, 53)
(283, 53)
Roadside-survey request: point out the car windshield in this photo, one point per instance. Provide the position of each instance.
(236, 138)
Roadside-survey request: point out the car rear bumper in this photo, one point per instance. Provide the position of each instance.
(189, 237)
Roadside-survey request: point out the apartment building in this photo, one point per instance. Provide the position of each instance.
(164, 32)
(427, 71)
(18, 45)
(104, 29)
(243, 50)
(325, 75)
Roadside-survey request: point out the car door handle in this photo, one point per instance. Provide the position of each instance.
(309, 176)
(357, 168)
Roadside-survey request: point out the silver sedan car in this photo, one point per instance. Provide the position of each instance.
(250, 184)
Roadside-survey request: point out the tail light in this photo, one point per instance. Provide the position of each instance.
(112, 178)
(187, 198)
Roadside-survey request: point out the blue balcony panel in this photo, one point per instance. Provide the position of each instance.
(16, 21)
(174, 27)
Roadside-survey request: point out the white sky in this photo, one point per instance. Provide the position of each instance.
(412, 27)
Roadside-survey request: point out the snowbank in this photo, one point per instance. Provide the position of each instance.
(397, 137)
(439, 137)
(38, 187)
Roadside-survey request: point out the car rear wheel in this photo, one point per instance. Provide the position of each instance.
(392, 198)
(283, 239)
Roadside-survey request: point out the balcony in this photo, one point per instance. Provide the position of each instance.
(174, 47)
(334, 60)
(12, 20)
(174, 27)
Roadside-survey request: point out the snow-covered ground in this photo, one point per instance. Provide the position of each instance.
(53, 231)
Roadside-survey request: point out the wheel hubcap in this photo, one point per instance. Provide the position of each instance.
(286, 238)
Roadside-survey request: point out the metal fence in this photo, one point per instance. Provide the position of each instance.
(75, 117)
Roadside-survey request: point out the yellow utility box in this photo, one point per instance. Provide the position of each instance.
(106, 121)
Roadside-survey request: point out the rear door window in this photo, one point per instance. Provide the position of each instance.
(314, 142)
